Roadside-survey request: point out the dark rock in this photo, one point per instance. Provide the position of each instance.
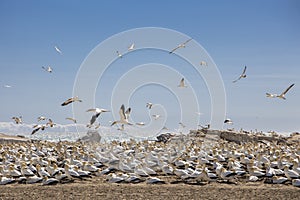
(164, 137)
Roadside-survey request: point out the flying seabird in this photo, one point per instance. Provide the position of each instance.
(182, 84)
(37, 128)
(7, 86)
(48, 69)
(149, 105)
(72, 119)
(71, 100)
(243, 75)
(228, 121)
(124, 116)
(203, 63)
(282, 95)
(97, 126)
(131, 47)
(182, 125)
(18, 120)
(50, 123)
(182, 45)
(97, 111)
(58, 50)
(41, 118)
(119, 54)
(140, 123)
(156, 117)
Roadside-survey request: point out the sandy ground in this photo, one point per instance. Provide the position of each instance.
(97, 189)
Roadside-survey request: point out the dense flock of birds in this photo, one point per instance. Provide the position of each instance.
(182, 159)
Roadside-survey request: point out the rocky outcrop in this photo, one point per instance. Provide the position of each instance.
(239, 138)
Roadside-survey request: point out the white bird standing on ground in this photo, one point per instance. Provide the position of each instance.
(48, 69)
(182, 45)
(182, 84)
(97, 113)
(58, 50)
(124, 116)
(282, 95)
(243, 75)
(71, 100)
(131, 47)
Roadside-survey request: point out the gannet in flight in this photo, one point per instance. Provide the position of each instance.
(18, 120)
(156, 117)
(71, 100)
(97, 126)
(50, 123)
(7, 86)
(243, 75)
(72, 119)
(97, 111)
(282, 95)
(203, 63)
(119, 54)
(228, 121)
(182, 84)
(131, 47)
(182, 125)
(58, 50)
(37, 128)
(48, 69)
(140, 123)
(41, 118)
(149, 105)
(182, 45)
(124, 116)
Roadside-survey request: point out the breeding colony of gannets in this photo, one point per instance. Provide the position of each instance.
(182, 159)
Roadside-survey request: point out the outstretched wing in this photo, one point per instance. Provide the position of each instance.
(236, 79)
(244, 71)
(288, 89)
(127, 113)
(93, 119)
(122, 113)
(91, 110)
(174, 49)
(187, 41)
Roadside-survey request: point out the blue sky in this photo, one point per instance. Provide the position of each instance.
(264, 35)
